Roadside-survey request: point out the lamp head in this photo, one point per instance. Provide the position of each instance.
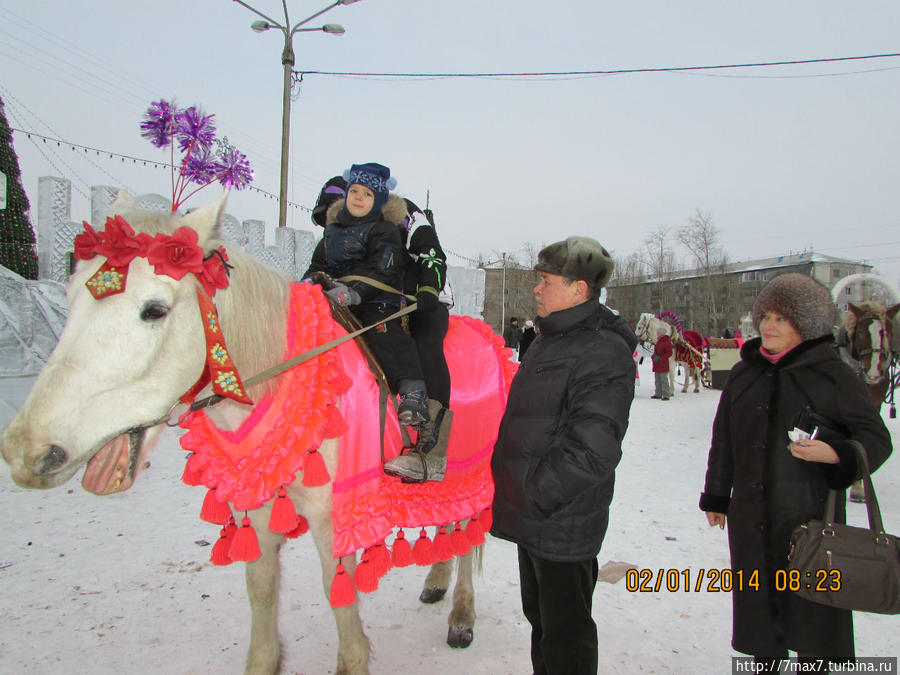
(260, 26)
(333, 28)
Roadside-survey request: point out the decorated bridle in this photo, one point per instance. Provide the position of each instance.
(175, 256)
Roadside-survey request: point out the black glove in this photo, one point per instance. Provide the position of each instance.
(427, 300)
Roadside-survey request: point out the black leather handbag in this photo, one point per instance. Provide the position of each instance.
(843, 566)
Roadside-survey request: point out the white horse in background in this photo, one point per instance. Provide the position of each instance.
(121, 363)
(647, 331)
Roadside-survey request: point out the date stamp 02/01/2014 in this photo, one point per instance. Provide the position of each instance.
(724, 580)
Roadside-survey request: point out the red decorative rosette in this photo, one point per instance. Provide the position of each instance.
(86, 243)
(214, 273)
(119, 243)
(177, 254)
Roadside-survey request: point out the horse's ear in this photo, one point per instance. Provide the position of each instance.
(891, 312)
(857, 312)
(205, 220)
(123, 203)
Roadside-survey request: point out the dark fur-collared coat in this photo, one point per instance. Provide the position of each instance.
(766, 492)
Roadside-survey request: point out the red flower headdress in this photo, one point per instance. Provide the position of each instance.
(173, 255)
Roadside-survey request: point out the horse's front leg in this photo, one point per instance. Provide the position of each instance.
(315, 504)
(263, 580)
(461, 621)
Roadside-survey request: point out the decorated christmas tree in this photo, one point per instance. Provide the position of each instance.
(16, 234)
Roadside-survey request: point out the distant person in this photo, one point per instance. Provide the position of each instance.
(662, 352)
(762, 485)
(559, 442)
(528, 334)
(727, 334)
(512, 334)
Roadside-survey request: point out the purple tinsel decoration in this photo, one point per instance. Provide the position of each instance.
(233, 169)
(159, 123)
(193, 128)
(201, 167)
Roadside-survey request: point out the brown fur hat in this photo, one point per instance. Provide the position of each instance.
(802, 300)
(579, 258)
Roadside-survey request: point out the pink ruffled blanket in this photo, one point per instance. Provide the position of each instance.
(335, 395)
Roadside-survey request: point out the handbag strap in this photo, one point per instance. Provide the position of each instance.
(875, 522)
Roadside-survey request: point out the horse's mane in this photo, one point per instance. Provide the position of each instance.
(252, 310)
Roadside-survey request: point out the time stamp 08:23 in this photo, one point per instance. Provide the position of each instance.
(725, 580)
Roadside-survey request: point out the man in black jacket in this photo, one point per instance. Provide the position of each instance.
(558, 446)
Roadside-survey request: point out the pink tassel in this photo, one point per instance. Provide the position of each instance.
(423, 551)
(381, 558)
(442, 550)
(474, 531)
(402, 552)
(341, 593)
(459, 542)
(315, 473)
(214, 511)
(301, 529)
(366, 576)
(245, 546)
(284, 516)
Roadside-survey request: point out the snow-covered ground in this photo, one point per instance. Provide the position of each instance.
(123, 584)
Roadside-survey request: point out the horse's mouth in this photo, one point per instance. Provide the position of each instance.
(114, 467)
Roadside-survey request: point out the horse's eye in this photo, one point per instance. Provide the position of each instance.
(154, 311)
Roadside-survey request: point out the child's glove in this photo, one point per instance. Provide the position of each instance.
(427, 300)
(343, 295)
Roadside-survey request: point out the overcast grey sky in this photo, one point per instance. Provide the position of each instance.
(784, 158)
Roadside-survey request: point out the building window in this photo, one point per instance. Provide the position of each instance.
(836, 273)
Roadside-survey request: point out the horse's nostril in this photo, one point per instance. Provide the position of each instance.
(54, 458)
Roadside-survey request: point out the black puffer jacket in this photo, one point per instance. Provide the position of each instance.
(561, 435)
(766, 492)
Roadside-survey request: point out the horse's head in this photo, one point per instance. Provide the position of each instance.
(121, 362)
(870, 328)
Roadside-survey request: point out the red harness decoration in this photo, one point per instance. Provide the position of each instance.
(173, 255)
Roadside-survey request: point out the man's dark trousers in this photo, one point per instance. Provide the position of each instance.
(556, 600)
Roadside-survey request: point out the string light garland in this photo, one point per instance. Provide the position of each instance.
(156, 164)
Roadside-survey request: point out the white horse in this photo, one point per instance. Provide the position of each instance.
(124, 360)
(647, 330)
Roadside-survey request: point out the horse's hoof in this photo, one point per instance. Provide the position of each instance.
(460, 637)
(432, 595)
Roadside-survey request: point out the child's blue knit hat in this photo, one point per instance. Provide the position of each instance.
(376, 177)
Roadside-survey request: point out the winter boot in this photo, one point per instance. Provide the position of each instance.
(412, 410)
(427, 461)
(858, 492)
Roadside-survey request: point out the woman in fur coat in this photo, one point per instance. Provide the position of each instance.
(762, 485)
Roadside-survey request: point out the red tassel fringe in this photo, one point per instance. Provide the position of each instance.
(302, 528)
(190, 475)
(487, 518)
(214, 511)
(442, 550)
(315, 473)
(341, 593)
(366, 576)
(423, 551)
(381, 558)
(459, 542)
(402, 551)
(219, 554)
(245, 546)
(284, 516)
(474, 531)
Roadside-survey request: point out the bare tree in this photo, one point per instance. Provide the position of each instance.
(700, 237)
(659, 258)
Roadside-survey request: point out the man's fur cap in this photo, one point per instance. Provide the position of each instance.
(578, 258)
(802, 300)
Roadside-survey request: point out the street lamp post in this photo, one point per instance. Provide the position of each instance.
(287, 61)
